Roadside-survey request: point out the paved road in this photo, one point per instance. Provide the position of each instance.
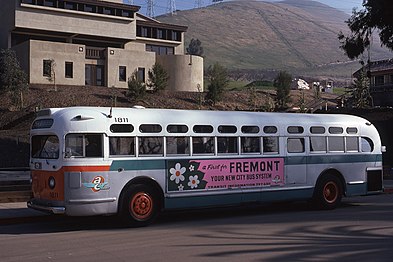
(360, 230)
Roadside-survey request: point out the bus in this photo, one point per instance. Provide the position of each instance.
(137, 162)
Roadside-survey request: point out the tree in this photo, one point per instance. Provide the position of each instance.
(12, 78)
(218, 81)
(376, 14)
(195, 47)
(282, 84)
(136, 88)
(158, 78)
(50, 73)
(360, 94)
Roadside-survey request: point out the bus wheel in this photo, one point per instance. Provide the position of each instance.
(140, 205)
(328, 192)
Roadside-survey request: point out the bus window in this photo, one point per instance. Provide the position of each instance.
(227, 129)
(352, 144)
(318, 144)
(250, 129)
(151, 145)
(336, 130)
(203, 145)
(336, 143)
(352, 130)
(177, 129)
(227, 145)
(122, 146)
(295, 129)
(270, 144)
(202, 129)
(84, 145)
(250, 145)
(317, 130)
(121, 128)
(45, 147)
(93, 145)
(270, 129)
(150, 128)
(295, 145)
(176, 145)
(367, 144)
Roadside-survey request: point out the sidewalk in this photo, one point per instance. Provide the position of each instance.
(18, 212)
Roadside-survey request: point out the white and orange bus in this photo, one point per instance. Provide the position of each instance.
(136, 162)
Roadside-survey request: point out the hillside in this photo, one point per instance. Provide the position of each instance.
(14, 125)
(299, 36)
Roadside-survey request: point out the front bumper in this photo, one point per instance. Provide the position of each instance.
(57, 210)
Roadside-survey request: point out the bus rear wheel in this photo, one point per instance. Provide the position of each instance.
(328, 192)
(140, 205)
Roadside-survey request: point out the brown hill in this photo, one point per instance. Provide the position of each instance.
(299, 36)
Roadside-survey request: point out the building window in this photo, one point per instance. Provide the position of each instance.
(69, 70)
(160, 50)
(122, 73)
(141, 74)
(47, 68)
(160, 34)
(379, 80)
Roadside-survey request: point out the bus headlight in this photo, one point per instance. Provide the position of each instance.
(51, 182)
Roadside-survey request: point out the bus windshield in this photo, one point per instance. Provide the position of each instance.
(45, 146)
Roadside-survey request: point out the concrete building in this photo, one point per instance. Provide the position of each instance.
(95, 42)
(380, 74)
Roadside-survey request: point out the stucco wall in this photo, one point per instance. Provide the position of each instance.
(73, 22)
(60, 53)
(129, 58)
(185, 72)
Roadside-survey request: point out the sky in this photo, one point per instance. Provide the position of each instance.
(163, 6)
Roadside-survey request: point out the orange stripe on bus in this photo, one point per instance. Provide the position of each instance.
(85, 168)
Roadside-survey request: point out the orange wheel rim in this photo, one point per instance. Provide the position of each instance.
(141, 206)
(330, 192)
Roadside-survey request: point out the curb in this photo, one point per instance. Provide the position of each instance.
(388, 190)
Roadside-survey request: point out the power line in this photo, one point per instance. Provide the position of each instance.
(171, 7)
(150, 8)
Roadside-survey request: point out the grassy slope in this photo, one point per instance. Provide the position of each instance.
(297, 36)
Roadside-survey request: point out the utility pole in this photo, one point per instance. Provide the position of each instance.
(198, 3)
(150, 8)
(171, 7)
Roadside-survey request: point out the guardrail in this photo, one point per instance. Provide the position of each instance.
(15, 184)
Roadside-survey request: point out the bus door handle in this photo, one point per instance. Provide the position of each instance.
(120, 169)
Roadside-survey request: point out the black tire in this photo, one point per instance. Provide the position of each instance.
(140, 205)
(328, 192)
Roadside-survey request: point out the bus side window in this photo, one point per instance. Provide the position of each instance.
(336, 143)
(295, 145)
(227, 145)
(93, 145)
(74, 145)
(270, 145)
(367, 144)
(352, 144)
(318, 144)
(250, 145)
(151, 145)
(123, 146)
(203, 145)
(177, 145)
